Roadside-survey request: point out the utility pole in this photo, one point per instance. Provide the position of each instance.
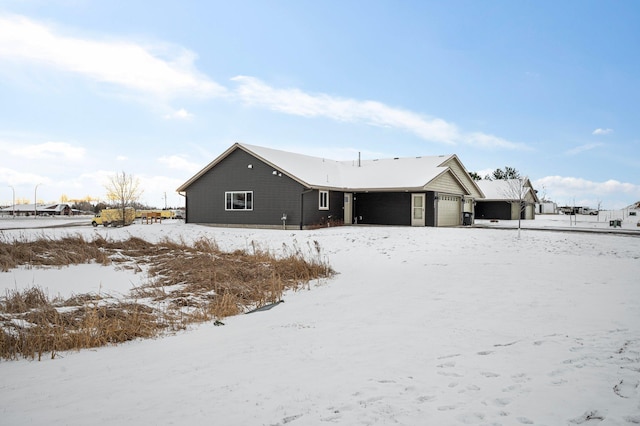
(13, 206)
(35, 201)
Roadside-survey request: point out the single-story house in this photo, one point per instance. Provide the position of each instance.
(41, 209)
(509, 199)
(255, 186)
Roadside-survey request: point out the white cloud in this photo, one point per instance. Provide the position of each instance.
(122, 158)
(577, 191)
(574, 186)
(181, 114)
(296, 102)
(168, 72)
(47, 150)
(602, 131)
(20, 178)
(583, 148)
(122, 63)
(179, 163)
(484, 140)
(158, 189)
(293, 101)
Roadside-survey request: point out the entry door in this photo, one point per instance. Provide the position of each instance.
(348, 208)
(417, 209)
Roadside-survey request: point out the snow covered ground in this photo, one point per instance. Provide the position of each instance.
(437, 326)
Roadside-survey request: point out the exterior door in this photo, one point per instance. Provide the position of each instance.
(348, 208)
(449, 211)
(529, 212)
(417, 209)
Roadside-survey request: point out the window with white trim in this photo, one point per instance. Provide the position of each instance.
(238, 200)
(323, 201)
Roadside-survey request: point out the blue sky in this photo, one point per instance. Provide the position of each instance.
(159, 89)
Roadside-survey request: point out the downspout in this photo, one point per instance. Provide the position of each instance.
(302, 206)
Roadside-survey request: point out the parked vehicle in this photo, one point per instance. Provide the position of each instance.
(113, 217)
(164, 214)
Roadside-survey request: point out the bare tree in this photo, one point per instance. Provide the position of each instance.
(123, 190)
(516, 191)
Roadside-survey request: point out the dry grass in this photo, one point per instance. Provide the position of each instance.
(188, 283)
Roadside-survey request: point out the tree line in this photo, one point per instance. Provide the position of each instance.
(498, 174)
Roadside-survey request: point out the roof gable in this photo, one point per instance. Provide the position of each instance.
(465, 179)
(506, 189)
(446, 182)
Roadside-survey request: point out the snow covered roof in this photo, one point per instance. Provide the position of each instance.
(315, 172)
(40, 207)
(506, 189)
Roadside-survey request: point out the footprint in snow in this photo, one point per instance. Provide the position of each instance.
(289, 419)
(447, 407)
(501, 402)
(626, 388)
(633, 419)
(471, 418)
(448, 356)
(505, 344)
(334, 416)
(449, 374)
(588, 416)
(557, 372)
(426, 398)
(520, 378)
(512, 388)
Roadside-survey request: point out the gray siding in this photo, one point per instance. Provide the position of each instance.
(273, 195)
(383, 208)
(430, 209)
(390, 208)
(493, 210)
(314, 216)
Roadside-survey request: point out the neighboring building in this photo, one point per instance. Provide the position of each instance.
(509, 199)
(41, 209)
(261, 187)
(546, 207)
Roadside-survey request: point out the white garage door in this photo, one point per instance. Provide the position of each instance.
(448, 210)
(529, 212)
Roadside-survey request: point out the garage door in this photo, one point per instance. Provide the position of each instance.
(448, 210)
(529, 212)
